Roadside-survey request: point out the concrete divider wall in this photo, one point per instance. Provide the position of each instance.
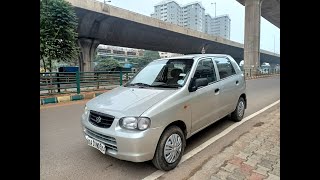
(68, 98)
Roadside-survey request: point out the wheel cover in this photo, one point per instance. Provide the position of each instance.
(172, 148)
(240, 109)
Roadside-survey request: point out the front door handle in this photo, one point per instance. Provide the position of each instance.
(216, 90)
(237, 82)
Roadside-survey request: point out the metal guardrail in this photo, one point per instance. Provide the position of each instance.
(260, 72)
(54, 82)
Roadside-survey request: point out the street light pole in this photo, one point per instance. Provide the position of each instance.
(215, 9)
(274, 44)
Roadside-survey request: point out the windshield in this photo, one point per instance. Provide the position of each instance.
(170, 73)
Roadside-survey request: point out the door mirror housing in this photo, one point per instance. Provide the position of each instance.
(196, 83)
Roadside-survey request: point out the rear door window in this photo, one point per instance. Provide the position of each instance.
(225, 67)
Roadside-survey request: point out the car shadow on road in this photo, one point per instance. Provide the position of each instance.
(207, 133)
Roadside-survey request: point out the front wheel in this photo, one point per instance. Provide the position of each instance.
(170, 149)
(238, 113)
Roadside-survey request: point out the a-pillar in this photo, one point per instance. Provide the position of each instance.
(252, 36)
(87, 51)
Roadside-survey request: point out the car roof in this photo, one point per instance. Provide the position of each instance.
(192, 56)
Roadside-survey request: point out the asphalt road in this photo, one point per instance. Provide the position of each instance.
(64, 153)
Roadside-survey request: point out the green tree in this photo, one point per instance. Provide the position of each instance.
(148, 56)
(98, 58)
(58, 25)
(107, 64)
(151, 55)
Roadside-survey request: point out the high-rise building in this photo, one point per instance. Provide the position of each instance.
(169, 11)
(208, 26)
(192, 16)
(220, 26)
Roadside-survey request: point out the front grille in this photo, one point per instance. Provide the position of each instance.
(100, 119)
(108, 141)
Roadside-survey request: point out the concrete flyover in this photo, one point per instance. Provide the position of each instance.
(100, 23)
(254, 9)
(270, 10)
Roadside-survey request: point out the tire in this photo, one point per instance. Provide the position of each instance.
(237, 114)
(159, 160)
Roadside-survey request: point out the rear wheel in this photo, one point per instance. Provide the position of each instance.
(170, 149)
(238, 113)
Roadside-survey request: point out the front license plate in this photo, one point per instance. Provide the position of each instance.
(96, 144)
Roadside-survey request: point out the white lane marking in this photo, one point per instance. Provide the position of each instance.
(196, 150)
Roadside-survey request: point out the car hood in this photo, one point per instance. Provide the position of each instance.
(126, 101)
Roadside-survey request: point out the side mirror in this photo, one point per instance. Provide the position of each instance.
(196, 83)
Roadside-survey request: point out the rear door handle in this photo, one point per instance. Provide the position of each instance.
(237, 82)
(216, 90)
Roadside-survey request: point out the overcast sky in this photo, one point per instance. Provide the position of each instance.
(270, 34)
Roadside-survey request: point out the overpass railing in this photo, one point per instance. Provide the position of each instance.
(67, 82)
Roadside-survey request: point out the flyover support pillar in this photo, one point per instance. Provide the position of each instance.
(252, 37)
(87, 52)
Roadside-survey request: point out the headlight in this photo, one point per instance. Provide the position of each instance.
(128, 122)
(86, 110)
(139, 123)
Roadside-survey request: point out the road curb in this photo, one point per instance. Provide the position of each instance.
(77, 97)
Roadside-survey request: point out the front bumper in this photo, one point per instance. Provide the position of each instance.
(130, 145)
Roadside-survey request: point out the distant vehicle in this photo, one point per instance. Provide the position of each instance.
(265, 68)
(265, 64)
(149, 118)
(68, 69)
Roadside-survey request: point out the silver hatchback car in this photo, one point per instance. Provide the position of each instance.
(168, 101)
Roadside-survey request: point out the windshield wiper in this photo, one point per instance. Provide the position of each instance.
(166, 86)
(139, 84)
